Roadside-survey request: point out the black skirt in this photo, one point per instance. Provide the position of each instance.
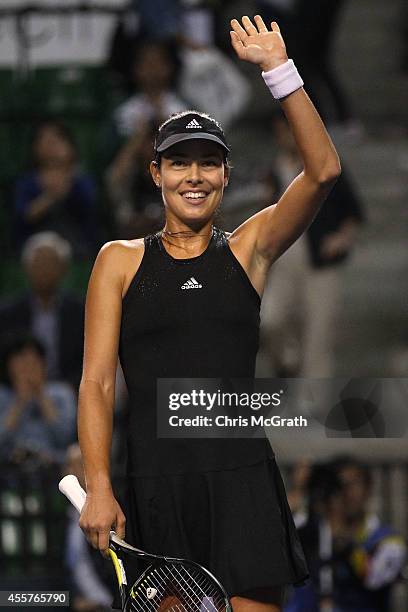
(236, 523)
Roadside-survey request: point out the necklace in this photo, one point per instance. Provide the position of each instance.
(183, 234)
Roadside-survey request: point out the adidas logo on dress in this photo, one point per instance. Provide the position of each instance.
(193, 124)
(191, 284)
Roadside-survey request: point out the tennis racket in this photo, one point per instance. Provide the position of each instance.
(167, 585)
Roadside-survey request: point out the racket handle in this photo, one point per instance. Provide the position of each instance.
(71, 488)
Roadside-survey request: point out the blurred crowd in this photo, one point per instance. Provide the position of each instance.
(164, 57)
(354, 558)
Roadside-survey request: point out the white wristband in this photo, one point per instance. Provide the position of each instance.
(283, 80)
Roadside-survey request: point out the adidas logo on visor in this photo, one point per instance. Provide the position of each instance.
(194, 124)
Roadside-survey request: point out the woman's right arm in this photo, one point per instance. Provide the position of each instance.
(101, 512)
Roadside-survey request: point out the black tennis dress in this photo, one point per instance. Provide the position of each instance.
(220, 502)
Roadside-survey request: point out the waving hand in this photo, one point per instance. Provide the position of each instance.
(258, 45)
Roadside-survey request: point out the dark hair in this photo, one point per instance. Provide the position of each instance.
(14, 343)
(171, 50)
(323, 483)
(342, 462)
(57, 126)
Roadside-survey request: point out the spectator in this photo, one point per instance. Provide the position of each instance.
(317, 22)
(137, 204)
(301, 300)
(52, 315)
(140, 21)
(377, 552)
(54, 194)
(154, 98)
(297, 493)
(309, 27)
(324, 507)
(210, 80)
(163, 21)
(36, 417)
(353, 559)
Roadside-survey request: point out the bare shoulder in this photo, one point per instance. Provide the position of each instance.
(119, 260)
(120, 250)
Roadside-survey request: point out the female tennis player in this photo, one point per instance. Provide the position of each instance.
(185, 303)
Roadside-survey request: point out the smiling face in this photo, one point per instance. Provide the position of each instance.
(192, 175)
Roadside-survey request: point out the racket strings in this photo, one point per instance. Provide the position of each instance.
(198, 585)
(209, 591)
(170, 591)
(192, 589)
(190, 601)
(180, 589)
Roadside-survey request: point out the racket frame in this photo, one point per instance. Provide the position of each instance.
(120, 546)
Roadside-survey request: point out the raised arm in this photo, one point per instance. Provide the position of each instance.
(97, 394)
(271, 231)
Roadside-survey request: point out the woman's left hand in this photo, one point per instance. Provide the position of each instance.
(258, 45)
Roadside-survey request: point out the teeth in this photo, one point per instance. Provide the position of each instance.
(195, 196)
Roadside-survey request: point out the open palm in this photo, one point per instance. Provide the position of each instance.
(257, 44)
